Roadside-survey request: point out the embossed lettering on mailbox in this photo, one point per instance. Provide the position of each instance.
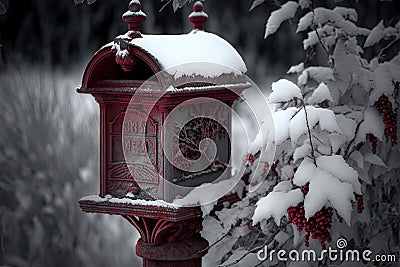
(135, 150)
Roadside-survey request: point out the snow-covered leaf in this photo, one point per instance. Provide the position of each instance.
(318, 16)
(275, 205)
(376, 35)
(352, 29)
(320, 94)
(320, 74)
(285, 12)
(383, 76)
(283, 186)
(372, 124)
(304, 172)
(302, 151)
(339, 168)
(296, 68)
(282, 121)
(326, 34)
(284, 91)
(326, 188)
(347, 13)
(305, 3)
(324, 117)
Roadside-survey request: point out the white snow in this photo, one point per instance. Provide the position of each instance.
(284, 91)
(125, 200)
(320, 94)
(285, 12)
(275, 205)
(207, 194)
(132, 13)
(176, 52)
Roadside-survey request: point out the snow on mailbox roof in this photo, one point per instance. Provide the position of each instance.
(174, 51)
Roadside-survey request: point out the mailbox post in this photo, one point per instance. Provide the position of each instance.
(134, 171)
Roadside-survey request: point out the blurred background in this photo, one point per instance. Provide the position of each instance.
(49, 134)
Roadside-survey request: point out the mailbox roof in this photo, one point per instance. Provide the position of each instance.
(175, 52)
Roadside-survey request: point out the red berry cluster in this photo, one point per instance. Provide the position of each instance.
(250, 158)
(317, 226)
(384, 107)
(373, 140)
(360, 203)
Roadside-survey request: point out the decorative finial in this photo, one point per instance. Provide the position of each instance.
(134, 17)
(198, 17)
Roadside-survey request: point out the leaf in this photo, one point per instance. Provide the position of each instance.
(326, 33)
(372, 123)
(358, 158)
(275, 205)
(376, 35)
(285, 12)
(339, 168)
(324, 117)
(284, 91)
(284, 186)
(347, 13)
(318, 16)
(374, 159)
(255, 4)
(347, 125)
(305, 3)
(320, 74)
(383, 76)
(336, 140)
(296, 68)
(320, 94)
(302, 151)
(325, 188)
(281, 122)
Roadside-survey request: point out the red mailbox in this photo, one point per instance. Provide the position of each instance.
(145, 85)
